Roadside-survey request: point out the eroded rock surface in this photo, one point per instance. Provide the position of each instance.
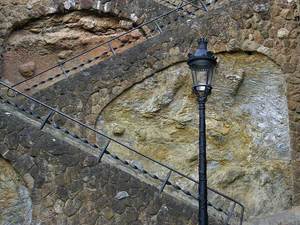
(56, 38)
(15, 200)
(43, 31)
(149, 90)
(248, 146)
(144, 99)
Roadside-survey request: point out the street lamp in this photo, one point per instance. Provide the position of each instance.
(202, 64)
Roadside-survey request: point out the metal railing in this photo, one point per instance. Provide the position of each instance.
(66, 71)
(166, 181)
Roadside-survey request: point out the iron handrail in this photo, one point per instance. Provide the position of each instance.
(112, 39)
(54, 110)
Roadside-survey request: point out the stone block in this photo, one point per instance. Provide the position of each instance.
(62, 193)
(90, 161)
(72, 206)
(27, 69)
(24, 163)
(107, 213)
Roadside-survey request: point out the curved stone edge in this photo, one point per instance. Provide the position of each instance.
(263, 26)
(69, 187)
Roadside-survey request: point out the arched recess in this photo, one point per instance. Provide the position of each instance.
(45, 41)
(249, 149)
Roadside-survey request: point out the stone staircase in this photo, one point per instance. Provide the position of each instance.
(65, 206)
(70, 182)
(153, 22)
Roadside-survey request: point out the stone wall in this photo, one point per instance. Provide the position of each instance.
(247, 123)
(265, 27)
(61, 29)
(59, 37)
(270, 28)
(16, 205)
(67, 185)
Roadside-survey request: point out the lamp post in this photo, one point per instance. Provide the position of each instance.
(202, 64)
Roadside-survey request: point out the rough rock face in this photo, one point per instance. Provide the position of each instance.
(249, 160)
(15, 201)
(252, 145)
(27, 69)
(53, 27)
(56, 38)
(248, 146)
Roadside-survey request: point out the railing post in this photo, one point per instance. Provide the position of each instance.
(61, 66)
(46, 119)
(158, 27)
(161, 189)
(230, 214)
(111, 48)
(103, 151)
(179, 6)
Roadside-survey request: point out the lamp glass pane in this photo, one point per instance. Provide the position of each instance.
(210, 74)
(200, 79)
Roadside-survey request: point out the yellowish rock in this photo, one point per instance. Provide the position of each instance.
(246, 115)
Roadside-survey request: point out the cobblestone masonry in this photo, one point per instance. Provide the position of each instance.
(63, 34)
(67, 185)
(16, 14)
(267, 27)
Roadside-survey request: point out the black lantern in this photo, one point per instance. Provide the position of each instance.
(202, 64)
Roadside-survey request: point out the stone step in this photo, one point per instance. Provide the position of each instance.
(67, 184)
(89, 35)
